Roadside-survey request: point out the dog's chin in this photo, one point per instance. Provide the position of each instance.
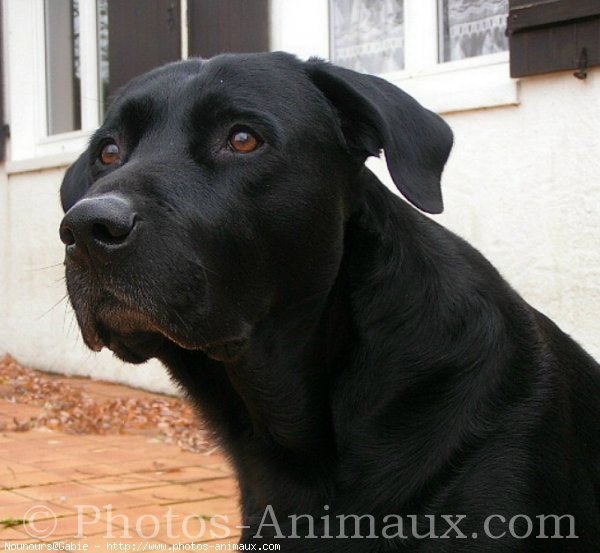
(135, 348)
(132, 347)
(140, 347)
(136, 340)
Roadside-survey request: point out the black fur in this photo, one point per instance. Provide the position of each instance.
(348, 351)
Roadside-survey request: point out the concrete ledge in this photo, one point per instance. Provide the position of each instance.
(30, 165)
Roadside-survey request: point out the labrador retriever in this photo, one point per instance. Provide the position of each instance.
(376, 383)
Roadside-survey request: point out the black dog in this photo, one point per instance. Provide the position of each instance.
(376, 383)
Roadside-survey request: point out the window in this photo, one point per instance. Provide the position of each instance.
(470, 28)
(450, 54)
(130, 38)
(368, 36)
(52, 77)
(63, 67)
(103, 60)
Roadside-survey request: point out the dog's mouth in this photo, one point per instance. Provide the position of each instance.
(135, 337)
(134, 348)
(130, 334)
(138, 319)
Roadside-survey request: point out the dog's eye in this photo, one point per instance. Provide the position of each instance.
(110, 154)
(243, 141)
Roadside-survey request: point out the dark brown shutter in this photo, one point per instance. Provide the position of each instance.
(553, 35)
(217, 26)
(142, 34)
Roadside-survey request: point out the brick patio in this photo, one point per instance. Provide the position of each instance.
(110, 489)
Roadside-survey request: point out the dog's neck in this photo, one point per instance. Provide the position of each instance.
(286, 395)
(302, 356)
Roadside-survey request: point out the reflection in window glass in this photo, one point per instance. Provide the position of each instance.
(471, 28)
(63, 69)
(368, 35)
(103, 67)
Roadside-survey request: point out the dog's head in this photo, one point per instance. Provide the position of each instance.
(217, 191)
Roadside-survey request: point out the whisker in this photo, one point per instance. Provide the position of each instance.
(71, 323)
(55, 305)
(206, 269)
(46, 268)
(183, 322)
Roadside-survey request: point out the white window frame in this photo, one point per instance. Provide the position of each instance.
(462, 85)
(31, 147)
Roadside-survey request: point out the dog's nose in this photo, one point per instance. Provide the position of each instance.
(97, 226)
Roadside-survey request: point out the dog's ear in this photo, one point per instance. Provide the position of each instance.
(76, 182)
(377, 115)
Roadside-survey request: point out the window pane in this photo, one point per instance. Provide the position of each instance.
(63, 71)
(471, 28)
(103, 67)
(367, 35)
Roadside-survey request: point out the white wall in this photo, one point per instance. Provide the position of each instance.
(522, 185)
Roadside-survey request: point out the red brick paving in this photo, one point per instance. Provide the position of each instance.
(110, 489)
